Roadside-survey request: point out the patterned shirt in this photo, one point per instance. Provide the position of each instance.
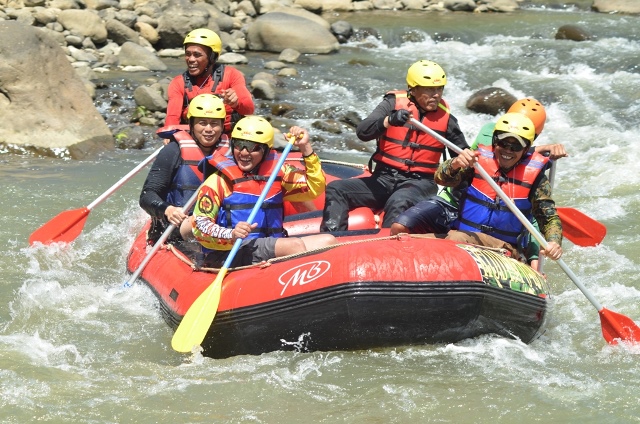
(543, 206)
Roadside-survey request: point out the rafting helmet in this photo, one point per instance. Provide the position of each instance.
(204, 37)
(426, 73)
(253, 128)
(206, 106)
(515, 125)
(533, 110)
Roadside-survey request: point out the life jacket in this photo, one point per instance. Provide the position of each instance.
(189, 177)
(246, 189)
(217, 76)
(408, 149)
(482, 210)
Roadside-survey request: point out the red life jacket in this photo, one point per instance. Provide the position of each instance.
(409, 149)
(247, 188)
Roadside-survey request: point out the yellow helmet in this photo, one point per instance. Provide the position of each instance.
(254, 128)
(206, 106)
(426, 73)
(515, 125)
(204, 37)
(533, 110)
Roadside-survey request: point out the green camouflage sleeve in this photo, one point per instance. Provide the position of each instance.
(544, 210)
(449, 177)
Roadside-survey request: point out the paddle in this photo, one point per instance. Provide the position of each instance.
(161, 240)
(67, 226)
(579, 228)
(615, 326)
(196, 322)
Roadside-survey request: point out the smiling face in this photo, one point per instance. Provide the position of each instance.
(509, 151)
(248, 154)
(207, 132)
(197, 59)
(427, 97)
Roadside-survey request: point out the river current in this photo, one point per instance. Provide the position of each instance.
(76, 347)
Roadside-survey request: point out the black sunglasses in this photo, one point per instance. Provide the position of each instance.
(514, 147)
(251, 146)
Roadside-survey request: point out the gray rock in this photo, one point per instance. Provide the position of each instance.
(43, 104)
(289, 55)
(84, 22)
(120, 33)
(262, 89)
(277, 31)
(132, 54)
(492, 101)
(573, 32)
(150, 97)
(617, 6)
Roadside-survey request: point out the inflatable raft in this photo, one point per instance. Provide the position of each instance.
(370, 291)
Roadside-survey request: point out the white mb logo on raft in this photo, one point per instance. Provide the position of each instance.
(303, 274)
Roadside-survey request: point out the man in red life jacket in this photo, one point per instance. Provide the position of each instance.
(406, 158)
(204, 75)
(484, 219)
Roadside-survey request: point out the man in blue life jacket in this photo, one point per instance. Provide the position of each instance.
(484, 219)
(437, 213)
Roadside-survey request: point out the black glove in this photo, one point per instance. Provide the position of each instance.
(398, 118)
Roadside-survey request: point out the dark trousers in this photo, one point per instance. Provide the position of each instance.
(434, 215)
(387, 189)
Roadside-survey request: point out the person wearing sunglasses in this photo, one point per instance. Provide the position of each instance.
(438, 213)
(229, 194)
(484, 219)
(174, 175)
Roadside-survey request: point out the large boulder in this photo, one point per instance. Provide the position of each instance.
(276, 31)
(44, 106)
(617, 6)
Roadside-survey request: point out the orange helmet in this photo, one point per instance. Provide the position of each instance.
(533, 110)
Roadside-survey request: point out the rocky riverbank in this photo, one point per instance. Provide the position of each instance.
(98, 37)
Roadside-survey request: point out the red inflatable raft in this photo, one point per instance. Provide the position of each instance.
(372, 290)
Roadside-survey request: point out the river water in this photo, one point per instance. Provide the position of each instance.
(75, 347)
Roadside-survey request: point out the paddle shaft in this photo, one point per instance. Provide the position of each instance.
(514, 209)
(161, 240)
(123, 180)
(256, 207)
(196, 322)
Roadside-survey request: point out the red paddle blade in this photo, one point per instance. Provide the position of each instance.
(617, 327)
(581, 229)
(64, 227)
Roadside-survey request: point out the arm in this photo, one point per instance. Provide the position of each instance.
(454, 134)
(308, 184)
(235, 94)
(158, 183)
(175, 93)
(374, 125)
(544, 210)
(555, 151)
(204, 226)
(453, 172)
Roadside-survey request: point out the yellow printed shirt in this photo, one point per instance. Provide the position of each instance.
(297, 186)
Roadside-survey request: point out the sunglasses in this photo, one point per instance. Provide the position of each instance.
(514, 147)
(251, 146)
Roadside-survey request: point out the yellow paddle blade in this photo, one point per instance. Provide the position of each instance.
(196, 322)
